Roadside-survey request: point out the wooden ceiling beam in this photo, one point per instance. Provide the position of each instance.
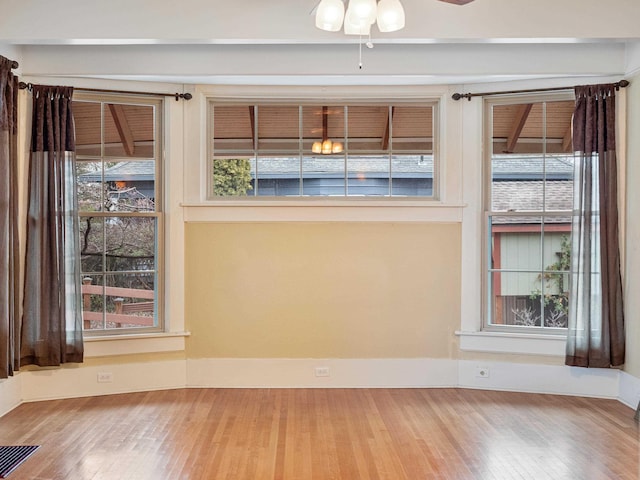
(252, 123)
(518, 124)
(124, 130)
(385, 137)
(567, 141)
(325, 123)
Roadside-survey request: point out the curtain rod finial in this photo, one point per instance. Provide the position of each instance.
(458, 96)
(14, 64)
(185, 96)
(623, 83)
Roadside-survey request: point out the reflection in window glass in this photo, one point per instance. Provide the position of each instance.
(322, 150)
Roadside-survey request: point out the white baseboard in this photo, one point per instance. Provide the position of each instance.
(629, 392)
(82, 381)
(10, 393)
(553, 379)
(301, 373)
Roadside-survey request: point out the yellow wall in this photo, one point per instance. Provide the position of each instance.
(322, 290)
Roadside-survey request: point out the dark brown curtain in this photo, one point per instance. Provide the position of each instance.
(596, 335)
(9, 247)
(52, 319)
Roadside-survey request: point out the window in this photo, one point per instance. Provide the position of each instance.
(118, 153)
(332, 150)
(528, 204)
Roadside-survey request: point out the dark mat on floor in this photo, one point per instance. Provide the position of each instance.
(12, 457)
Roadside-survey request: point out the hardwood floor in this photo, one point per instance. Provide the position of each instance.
(325, 434)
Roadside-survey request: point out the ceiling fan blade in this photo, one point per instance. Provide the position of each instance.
(457, 2)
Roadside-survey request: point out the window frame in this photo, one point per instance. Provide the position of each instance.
(486, 205)
(433, 101)
(159, 104)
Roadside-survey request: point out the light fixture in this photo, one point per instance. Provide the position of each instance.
(326, 146)
(359, 16)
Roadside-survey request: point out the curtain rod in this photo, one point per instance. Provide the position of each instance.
(178, 96)
(458, 96)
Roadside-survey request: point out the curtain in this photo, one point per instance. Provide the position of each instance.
(595, 335)
(52, 319)
(9, 248)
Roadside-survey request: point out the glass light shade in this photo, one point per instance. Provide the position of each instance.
(329, 15)
(316, 147)
(390, 16)
(364, 10)
(337, 147)
(327, 146)
(353, 26)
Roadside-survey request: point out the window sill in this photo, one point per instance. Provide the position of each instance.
(310, 210)
(104, 346)
(338, 201)
(508, 342)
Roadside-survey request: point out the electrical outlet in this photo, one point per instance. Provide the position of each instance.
(322, 371)
(482, 372)
(105, 377)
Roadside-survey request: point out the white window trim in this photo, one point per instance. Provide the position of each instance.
(172, 337)
(159, 213)
(196, 175)
(472, 335)
(134, 343)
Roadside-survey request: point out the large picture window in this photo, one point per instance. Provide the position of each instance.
(331, 150)
(529, 197)
(119, 145)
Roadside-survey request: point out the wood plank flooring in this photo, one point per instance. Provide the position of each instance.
(325, 434)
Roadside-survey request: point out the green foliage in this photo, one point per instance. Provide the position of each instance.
(231, 177)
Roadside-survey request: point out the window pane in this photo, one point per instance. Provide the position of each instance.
(320, 123)
(368, 175)
(130, 300)
(88, 126)
(233, 128)
(517, 183)
(515, 299)
(516, 242)
(412, 128)
(559, 183)
(130, 186)
(234, 177)
(90, 186)
(92, 244)
(130, 243)
(558, 127)
(278, 128)
(369, 128)
(129, 130)
(93, 302)
(121, 187)
(323, 175)
(412, 175)
(278, 176)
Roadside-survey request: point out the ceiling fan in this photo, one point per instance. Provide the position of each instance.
(457, 2)
(357, 16)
